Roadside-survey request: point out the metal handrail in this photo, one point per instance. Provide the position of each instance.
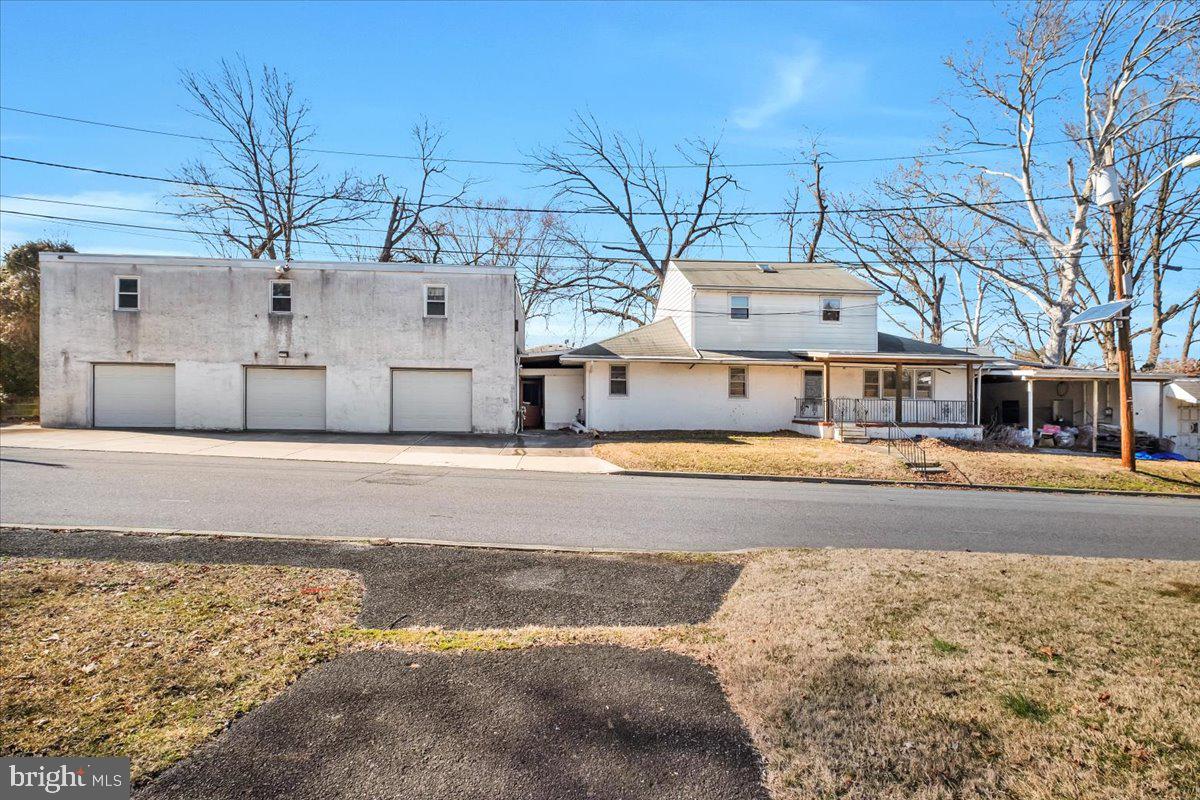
(910, 450)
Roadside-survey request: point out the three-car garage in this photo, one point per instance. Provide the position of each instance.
(278, 398)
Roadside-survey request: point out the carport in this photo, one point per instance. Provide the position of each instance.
(1023, 393)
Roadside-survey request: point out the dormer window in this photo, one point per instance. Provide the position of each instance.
(739, 306)
(831, 309)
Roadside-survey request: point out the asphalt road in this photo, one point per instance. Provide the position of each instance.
(56, 487)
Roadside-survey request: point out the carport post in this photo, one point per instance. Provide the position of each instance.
(1095, 412)
(1029, 409)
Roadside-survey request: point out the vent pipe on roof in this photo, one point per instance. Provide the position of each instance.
(767, 268)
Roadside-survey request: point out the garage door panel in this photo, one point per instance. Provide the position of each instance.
(285, 399)
(133, 396)
(431, 400)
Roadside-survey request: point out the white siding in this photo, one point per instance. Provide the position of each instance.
(563, 399)
(784, 321)
(673, 397)
(675, 301)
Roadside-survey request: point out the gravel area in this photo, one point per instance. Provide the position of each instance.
(555, 723)
(450, 587)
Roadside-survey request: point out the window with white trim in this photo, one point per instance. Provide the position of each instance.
(870, 383)
(737, 382)
(831, 309)
(435, 301)
(618, 380)
(739, 306)
(281, 297)
(128, 290)
(924, 384)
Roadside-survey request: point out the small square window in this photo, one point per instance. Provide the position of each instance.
(281, 297)
(739, 306)
(831, 309)
(618, 380)
(435, 301)
(128, 291)
(737, 382)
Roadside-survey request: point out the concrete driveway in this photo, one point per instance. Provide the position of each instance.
(542, 451)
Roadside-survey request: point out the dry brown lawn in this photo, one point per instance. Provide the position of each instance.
(860, 674)
(785, 453)
(780, 453)
(149, 660)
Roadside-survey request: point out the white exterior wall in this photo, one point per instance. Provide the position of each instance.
(949, 383)
(784, 321)
(562, 395)
(675, 301)
(1146, 414)
(210, 319)
(665, 396)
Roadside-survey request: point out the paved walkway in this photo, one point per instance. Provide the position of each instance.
(541, 451)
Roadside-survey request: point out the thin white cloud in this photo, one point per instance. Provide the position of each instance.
(791, 82)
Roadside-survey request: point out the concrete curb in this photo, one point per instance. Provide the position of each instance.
(998, 487)
(361, 540)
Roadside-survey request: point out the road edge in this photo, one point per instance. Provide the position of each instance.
(366, 540)
(995, 487)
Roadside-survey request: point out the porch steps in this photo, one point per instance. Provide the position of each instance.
(852, 434)
(929, 468)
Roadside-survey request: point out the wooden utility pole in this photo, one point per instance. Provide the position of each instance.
(1124, 354)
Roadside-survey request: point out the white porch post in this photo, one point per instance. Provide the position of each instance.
(1095, 413)
(1029, 409)
(1160, 409)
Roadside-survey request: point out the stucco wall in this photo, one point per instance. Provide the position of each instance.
(672, 396)
(563, 395)
(784, 321)
(210, 318)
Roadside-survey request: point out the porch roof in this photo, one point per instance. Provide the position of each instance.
(1027, 372)
(898, 350)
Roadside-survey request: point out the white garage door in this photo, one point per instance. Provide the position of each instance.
(285, 399)
(431, 400)
(133, 396)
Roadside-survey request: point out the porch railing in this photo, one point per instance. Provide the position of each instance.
(883, 410)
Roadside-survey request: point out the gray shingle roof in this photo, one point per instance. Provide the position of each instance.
(889, 343)
(660, 339)
(748, 275)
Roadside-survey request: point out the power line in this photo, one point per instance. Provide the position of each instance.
(845, 264)
(473, 207)
(525, 164)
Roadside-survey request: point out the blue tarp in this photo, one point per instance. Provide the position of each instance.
(1142, 455)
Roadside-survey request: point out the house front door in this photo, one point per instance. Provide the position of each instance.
(813, 385)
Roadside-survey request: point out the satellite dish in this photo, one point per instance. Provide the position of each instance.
(1101, 313)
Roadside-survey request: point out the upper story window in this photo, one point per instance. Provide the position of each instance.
(739, 306)
(831, 309)
(737, 381)
(281, 297)
(618, 380)
(128, 291)
(435, 301)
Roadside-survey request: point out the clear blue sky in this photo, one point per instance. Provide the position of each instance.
(500, 78)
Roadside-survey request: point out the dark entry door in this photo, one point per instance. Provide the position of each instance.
(532, 402)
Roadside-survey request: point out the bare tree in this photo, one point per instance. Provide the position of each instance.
(1121, 51)
(413, 213)
(620, 177)
(794, 219)
(260, 192)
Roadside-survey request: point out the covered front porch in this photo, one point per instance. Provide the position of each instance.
(869, 398)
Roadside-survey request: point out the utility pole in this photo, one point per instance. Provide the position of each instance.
(1124, 346)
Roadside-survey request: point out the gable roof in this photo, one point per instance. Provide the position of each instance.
(658, 339)
(748, 275)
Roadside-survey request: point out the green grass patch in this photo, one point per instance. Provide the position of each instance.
(1025, 707)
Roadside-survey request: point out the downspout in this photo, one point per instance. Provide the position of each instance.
(1029, 409)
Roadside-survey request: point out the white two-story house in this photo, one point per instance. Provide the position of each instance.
(764, 347)
(226, 344)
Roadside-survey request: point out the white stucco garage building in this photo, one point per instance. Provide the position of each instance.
(220, 344)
